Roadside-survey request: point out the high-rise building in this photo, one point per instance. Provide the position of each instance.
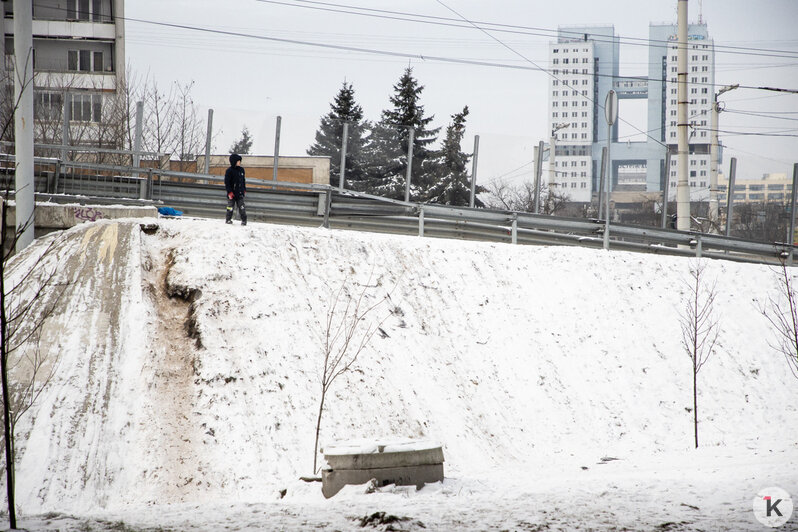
(585, 65)
(78, 63)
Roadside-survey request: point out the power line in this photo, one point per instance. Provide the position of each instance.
(405, 55)
(761, 115)
(550, 74)
(508, 28)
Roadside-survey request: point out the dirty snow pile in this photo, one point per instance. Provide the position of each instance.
(187, 384)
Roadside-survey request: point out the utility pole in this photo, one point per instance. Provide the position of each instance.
(730, 195)
(276, 149)
(683, 153)
(538, 172)
(137, 138)
(553, 151)
(23, 121)
(344, 140)
(713, 163)
(208, 137)
(474, 172)
(410, 136)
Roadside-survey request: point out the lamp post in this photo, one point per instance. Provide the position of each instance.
(713, 163)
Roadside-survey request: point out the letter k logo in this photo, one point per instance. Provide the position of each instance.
(773, 506)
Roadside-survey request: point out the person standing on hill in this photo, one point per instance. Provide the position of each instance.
(236, 186)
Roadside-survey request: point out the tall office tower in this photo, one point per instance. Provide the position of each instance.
(585, 64)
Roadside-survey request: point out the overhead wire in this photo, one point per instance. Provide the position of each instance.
(507, 28)
(564, 82)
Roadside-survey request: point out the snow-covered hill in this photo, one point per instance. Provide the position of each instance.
(189, 364)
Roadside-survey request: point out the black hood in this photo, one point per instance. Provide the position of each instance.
(234, 158)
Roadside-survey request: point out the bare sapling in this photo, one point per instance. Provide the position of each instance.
(700, 327)
(347, 332)
(782, 313)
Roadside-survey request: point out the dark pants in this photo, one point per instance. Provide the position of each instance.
(242, 212)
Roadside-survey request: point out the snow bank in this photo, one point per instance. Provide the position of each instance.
(512, 357)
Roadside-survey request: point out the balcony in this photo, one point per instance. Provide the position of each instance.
(67, 29)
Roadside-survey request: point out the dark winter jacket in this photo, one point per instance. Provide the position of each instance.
(234, 180)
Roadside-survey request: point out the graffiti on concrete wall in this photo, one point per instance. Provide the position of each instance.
(88, 214)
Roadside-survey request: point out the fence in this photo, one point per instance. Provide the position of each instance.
(202, 195)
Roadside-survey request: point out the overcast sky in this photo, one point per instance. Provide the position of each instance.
(249, 81)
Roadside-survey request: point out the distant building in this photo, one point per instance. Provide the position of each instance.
(771, 188)
(585, 64)
(79, 67)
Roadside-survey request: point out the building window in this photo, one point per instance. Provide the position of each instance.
(84, 61)
(703, 184)
(86, 107)
(85, 10)
(48, 105)
(556, 61)
(584, 185)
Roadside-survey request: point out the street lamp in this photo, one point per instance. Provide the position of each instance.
(552, 151)
(713, 155)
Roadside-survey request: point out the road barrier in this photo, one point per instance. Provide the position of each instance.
(202, 195)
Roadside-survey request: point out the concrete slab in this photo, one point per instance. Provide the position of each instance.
(383, 459)
(333, 480)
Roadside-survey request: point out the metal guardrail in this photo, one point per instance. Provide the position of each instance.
(202, 195)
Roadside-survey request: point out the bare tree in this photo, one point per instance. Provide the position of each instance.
(158, 132)
(346, 334)
(782, 313)
(700, 328)
(505, 196)
(190, 134)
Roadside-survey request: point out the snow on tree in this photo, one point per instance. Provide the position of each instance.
(453, 184)
(329, 139)
(244, 144)
(388, 162)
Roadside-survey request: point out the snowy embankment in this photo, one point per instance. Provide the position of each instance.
(529, 365)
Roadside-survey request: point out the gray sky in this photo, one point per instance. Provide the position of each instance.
(249, 81)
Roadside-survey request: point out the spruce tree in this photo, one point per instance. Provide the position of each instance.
(244, 144)
(453, 184)
(329, 139)
(388, 161)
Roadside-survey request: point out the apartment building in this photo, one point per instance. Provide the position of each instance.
(78, 62)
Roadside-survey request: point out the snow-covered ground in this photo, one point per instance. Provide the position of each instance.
(554, 378)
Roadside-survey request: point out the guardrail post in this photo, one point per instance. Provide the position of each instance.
(698, 247)
(515, 229)
(56, 174)
(421, 221)
(327, 203)
(149, 183)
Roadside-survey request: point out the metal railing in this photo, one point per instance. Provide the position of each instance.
(202, 195)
